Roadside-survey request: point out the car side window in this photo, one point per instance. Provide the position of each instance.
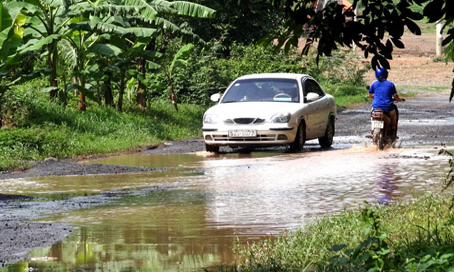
(310, 86)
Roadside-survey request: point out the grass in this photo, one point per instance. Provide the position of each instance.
(347, 95)
(417, 236)
(435, 89)
(44, 129)
(343, 102)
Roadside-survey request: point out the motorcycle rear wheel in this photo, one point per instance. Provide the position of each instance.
(379, 138)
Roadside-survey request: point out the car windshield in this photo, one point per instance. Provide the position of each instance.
(263, 89)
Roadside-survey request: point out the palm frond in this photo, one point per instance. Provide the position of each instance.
(151, 9)
(67, 53)
(192, 9)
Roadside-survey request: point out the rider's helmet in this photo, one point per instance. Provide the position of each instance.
(381, 73)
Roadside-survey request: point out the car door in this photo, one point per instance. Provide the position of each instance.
(318, 109)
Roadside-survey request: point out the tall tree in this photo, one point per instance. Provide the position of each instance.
(376, 30)
(239, 21)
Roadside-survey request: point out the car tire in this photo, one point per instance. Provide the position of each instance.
(327, 140)
(212, 148)
(300, 139)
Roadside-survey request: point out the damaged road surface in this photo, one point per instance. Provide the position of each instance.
(177, 207)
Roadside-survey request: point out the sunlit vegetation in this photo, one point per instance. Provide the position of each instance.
(35, 128)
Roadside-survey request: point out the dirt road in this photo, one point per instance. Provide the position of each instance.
(427, 119)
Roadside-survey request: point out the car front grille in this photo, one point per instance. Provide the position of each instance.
(247, 121)
(261, 138)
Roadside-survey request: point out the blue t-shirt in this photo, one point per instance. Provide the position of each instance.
(383, 94)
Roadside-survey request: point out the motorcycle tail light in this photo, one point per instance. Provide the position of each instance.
(377, 114)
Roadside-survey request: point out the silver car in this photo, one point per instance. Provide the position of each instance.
(270, 109)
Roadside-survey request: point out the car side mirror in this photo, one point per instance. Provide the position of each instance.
(215, 97)
(312, 97)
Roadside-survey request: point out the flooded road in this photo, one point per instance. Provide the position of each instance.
(188, 216)
(187, 213)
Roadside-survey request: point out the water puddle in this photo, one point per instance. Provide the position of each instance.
(234, 196)
(176, 160)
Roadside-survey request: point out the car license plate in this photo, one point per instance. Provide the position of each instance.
(377, 124)
(242, 133)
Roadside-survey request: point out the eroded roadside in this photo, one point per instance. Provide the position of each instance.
(19, 234)
(425, 120)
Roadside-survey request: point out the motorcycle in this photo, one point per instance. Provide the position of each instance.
(383, 135)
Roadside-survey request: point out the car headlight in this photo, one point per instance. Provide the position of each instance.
(283, 117)
(210, 119)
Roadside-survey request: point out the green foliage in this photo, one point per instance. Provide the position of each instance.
(431, 251)
(372, 254)
(209, 73)
(240, 22)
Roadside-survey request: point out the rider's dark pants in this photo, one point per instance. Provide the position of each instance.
(393, 117)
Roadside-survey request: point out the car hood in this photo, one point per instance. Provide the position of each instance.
(264, 110)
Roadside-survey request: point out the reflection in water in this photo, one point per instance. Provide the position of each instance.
(142, 233)
(194, 224)
(386, 186)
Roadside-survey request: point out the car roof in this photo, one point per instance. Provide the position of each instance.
(274, 75)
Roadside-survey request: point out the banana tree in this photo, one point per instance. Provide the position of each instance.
(81, 38)
(113, 42)
(178, 61)
(131, 33)
(125, 63)
(11, 33)
(46, 25)
(153, 13)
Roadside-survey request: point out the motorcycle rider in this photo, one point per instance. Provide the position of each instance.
(383, 93)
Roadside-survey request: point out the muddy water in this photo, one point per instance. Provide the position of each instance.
(210, 202)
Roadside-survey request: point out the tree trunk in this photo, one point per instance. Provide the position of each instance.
(173, 96)
(121, 90)
(141, 96)
(52, 62)
(82, 100)
(107, 87)
(439, 39)
(108, 93)
(80, 68)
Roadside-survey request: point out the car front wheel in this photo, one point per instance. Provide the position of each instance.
(327, 140)
(300, 138)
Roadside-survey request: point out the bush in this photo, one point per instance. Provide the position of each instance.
(209, 72)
